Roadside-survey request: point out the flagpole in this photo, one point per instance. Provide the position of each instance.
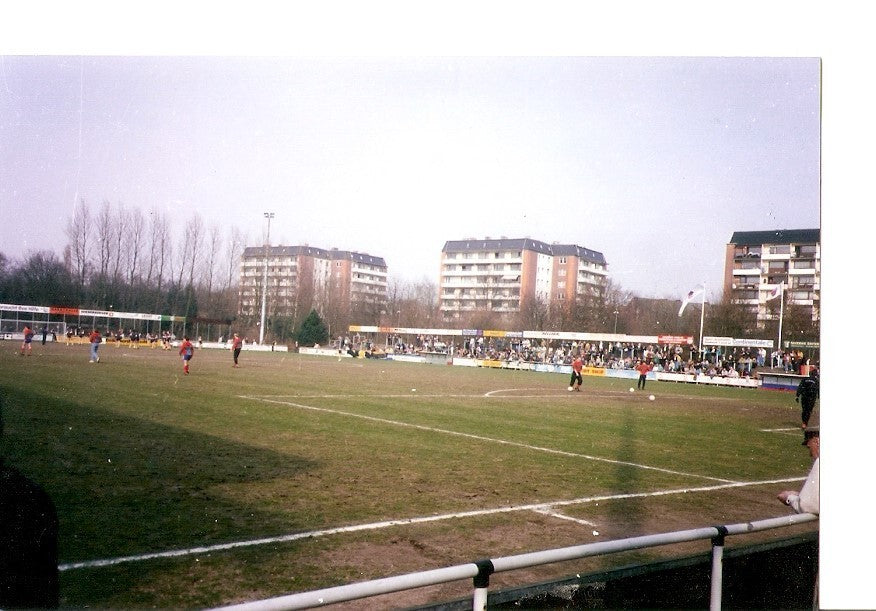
(702, 318)
(781, 311)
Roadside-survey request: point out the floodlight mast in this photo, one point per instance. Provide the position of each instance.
(269, 216)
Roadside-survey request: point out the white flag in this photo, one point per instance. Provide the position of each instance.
(688, 298)
(775, 292)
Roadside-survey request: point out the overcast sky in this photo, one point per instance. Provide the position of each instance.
(652, 161)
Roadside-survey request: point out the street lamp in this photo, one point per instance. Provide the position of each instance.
(615, 321)
(269, 216)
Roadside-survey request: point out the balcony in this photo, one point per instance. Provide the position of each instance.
(777, 256)
(742, 254)
(747, 267)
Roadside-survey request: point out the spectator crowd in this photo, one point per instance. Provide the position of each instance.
(730, 362)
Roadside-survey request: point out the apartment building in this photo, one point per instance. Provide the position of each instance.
(305, 276)
(501, 275)
(757, 262)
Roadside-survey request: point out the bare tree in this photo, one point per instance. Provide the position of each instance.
(189, 248)
(77, 252)
(158, 238)
(194, 237)
(236, 244)
(214, 245)
(425, 297)
(104, 227)
(533, 313)
(120, 229)
(415, 304)
(160, 252)
(134, 242)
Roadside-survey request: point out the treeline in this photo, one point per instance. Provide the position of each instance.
(118, 258)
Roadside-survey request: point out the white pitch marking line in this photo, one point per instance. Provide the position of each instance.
(410, 395)
(562, 516)
(402, 522)
(546, 393)
(787, 431)
(490, 439)
(492, 393)
(549, 392)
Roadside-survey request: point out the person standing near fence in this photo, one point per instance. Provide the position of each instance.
(94, 339)
(236, 347)
(808, 499)
(808, 391)
(187, 351)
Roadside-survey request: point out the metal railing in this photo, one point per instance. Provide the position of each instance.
(481, 570)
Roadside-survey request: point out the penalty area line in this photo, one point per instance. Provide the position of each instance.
(542, 508)
(487, 439)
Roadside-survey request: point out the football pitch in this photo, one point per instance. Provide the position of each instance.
(293, 473)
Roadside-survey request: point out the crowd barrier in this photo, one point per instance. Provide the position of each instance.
(77, 340)
(625, 374)
(480, 571)
(781, 381)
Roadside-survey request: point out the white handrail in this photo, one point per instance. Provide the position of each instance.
(480, 571)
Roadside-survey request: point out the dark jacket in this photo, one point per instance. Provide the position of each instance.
(808, 389)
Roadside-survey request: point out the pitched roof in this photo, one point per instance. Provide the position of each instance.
(311, 251)
(776, 236)
(483, 244)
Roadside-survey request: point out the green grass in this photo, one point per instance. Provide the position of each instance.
(139, 459)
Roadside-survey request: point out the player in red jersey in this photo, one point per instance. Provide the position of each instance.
(576, 380)
(236, 346)
(186, 351)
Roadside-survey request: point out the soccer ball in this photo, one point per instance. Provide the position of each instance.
(632, 389)
(651, 398)
(570, 388)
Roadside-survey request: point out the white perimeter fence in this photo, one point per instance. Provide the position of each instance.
(481, 570)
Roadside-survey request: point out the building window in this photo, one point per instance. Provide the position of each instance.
(746, 265)
(807, 281)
